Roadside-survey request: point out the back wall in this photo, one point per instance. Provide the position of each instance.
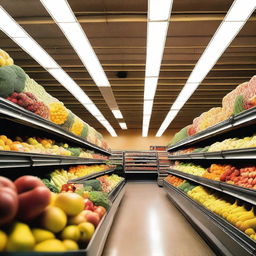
(131, 139)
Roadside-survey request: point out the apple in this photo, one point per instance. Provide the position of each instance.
(100, 210)
(75, 220)
(9, 201)
(33, 197)
(86, 231)
(92, 217)
(88, 204)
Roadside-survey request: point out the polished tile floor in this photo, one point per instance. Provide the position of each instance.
(147, 224)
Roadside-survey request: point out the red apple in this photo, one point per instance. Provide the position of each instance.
(88, 204)
(100, 210)
(8, 201)
(33, 197)
(92, 217)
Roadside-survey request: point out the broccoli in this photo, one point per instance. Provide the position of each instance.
(88, 188)
(7, 81)
(50, 186)
(99, 199)
(20, 78)
(95, 184)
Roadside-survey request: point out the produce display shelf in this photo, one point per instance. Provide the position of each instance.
(140, 161)
(245, 194)
(96, 244)
(15, 113)
(91, 176)
(141, 165)
(223, 237)
(139, 171)
(244, 153)
(114, 193)
(139, 157)
(11, 159)
(234, 122)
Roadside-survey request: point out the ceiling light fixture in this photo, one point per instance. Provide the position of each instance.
(238, 14)
(157, 28)
(64, 17)
(11, 28)
(117, 114)
(123, 126)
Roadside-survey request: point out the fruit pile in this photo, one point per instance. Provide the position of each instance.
(5, 59)
(44, 146)
(173, 180)
(181, 184)
(215, 171)
(189, 168)
(241, 98)
(28, 101)
(244, 177)
(239, 216)
(58, 178)
(17, 87)
(109, 182)
(34, 219)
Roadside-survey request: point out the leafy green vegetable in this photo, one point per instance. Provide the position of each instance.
(75, 151)
(99, 199)
(7, 81)
(95, 184)
(88, 188)
(20, 78)
(50, 186)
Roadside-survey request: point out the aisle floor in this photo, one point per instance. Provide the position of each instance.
(147, 224)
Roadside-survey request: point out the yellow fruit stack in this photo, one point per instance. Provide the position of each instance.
(58, 113)
(237, 215)
(5, 59)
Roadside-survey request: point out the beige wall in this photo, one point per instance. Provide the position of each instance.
(131, 139)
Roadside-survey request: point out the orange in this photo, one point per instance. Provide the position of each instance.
(7, 148)
(8, 142)
(2, 143)
(3, 137)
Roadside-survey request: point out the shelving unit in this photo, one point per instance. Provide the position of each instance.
(117, 157)
(224, 238)
(10, 111)
(245, 118)
(245, 194)
(163, 166)
(140, 162)
(244, 153)
(11, 159)
(91, 176)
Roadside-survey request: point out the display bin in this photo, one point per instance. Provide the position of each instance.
(224, 238)
(96, 244)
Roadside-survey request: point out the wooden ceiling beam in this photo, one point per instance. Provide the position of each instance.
(127, 18)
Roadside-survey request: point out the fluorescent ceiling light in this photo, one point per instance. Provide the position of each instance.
(170, 116)
(10, 27)
(77, 38)
(123, 126)
(240, 10)
(60, 10)
(117, 113)
(145, 131)
(92, 109)
(156, 36)
(148, 105)
(233, 22)
(159, 10)
(150, 88)
(218, 44)
(177, 105)
(30, 46)
(100, 118)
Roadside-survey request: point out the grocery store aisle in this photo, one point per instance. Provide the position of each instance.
(147, 224)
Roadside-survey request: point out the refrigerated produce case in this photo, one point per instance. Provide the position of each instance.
(12, 161)
(223, 237)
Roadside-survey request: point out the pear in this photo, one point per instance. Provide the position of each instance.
(51, 245)
(41, 235)
(20, 238)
